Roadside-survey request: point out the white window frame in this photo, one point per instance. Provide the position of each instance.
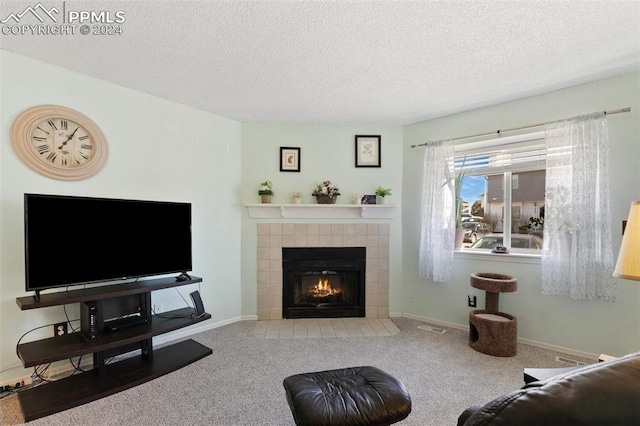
(532, 138)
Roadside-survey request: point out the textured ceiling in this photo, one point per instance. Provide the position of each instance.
(345, 62)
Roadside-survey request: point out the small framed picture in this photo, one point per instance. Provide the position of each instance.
(289, 159)
(368, 151)
(369, 199)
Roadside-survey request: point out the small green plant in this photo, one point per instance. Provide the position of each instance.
(534, 223)
(266, 188)
(383, 192)
(297, 194)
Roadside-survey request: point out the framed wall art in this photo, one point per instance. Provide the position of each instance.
(368, 151)
(289, 159)
(369, 199)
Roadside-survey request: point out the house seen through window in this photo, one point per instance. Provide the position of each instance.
(503, 196)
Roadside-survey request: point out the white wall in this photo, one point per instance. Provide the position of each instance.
(159, 150)
(592, 327)
(327, 153)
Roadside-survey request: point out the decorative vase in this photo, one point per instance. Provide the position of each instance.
(297, 200)
(266, 199)
(381, 200)
(459, 239)
(325, 199)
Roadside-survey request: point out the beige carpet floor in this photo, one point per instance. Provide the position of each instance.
(313, 328)
(240, 384)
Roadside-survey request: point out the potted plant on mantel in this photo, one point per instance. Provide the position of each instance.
(326, 193)
(266, 191)
(381, 193)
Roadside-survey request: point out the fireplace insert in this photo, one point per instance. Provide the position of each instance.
(323, 282)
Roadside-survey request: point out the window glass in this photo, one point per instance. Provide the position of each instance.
(483, 217)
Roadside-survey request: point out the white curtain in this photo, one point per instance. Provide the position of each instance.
(577, 259)
(437, 213)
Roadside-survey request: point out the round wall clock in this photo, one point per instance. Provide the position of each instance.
(59, 142)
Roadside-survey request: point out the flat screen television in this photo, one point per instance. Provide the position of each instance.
(78, 240)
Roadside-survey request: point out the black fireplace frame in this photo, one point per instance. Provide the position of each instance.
(318, 259)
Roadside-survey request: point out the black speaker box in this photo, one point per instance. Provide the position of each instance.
(197, 303)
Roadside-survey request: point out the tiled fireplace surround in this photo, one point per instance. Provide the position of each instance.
(273, 236)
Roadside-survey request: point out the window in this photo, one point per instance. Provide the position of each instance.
(574, 156)
(514, 182)
(505, 179)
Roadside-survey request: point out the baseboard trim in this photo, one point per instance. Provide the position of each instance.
(563, 349)
(435, 321)
(531, 342)
(190, 331)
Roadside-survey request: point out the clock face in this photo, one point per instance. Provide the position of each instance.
(62, 142)
(59, 142)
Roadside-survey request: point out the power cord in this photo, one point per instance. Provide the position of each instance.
(38, 371)
(159, 315)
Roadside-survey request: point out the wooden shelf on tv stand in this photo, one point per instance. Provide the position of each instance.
(107, 379)
(101, 292)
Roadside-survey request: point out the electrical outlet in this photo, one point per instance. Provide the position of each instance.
(158, 307)
(472, 301)
(15, 384)
(60, 329)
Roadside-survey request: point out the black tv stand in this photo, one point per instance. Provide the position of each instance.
(105, 379)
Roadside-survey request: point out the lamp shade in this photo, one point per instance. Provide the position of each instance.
(628, 265)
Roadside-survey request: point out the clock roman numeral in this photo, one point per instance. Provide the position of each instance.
(82, 138)
(86, 146)
(39, 138)
(52, 157)
(63, 124)
(40, 128)
(42, 149)
(52, 124)
(83, 155)
(63, 161)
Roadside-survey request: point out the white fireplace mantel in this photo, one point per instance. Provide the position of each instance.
(321, 211)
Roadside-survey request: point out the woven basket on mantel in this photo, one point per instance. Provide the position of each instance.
(325, 199)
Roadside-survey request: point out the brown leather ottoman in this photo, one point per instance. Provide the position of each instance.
(349, 396)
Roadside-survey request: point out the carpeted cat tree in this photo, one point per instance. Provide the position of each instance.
(490, 331)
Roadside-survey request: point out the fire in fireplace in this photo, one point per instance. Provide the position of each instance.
(323, 282)
(322, 291)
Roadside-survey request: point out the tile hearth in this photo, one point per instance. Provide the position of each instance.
(273, 236)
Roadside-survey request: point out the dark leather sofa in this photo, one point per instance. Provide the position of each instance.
(606, 393)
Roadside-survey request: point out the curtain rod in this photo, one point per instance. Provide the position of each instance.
(499, 132)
